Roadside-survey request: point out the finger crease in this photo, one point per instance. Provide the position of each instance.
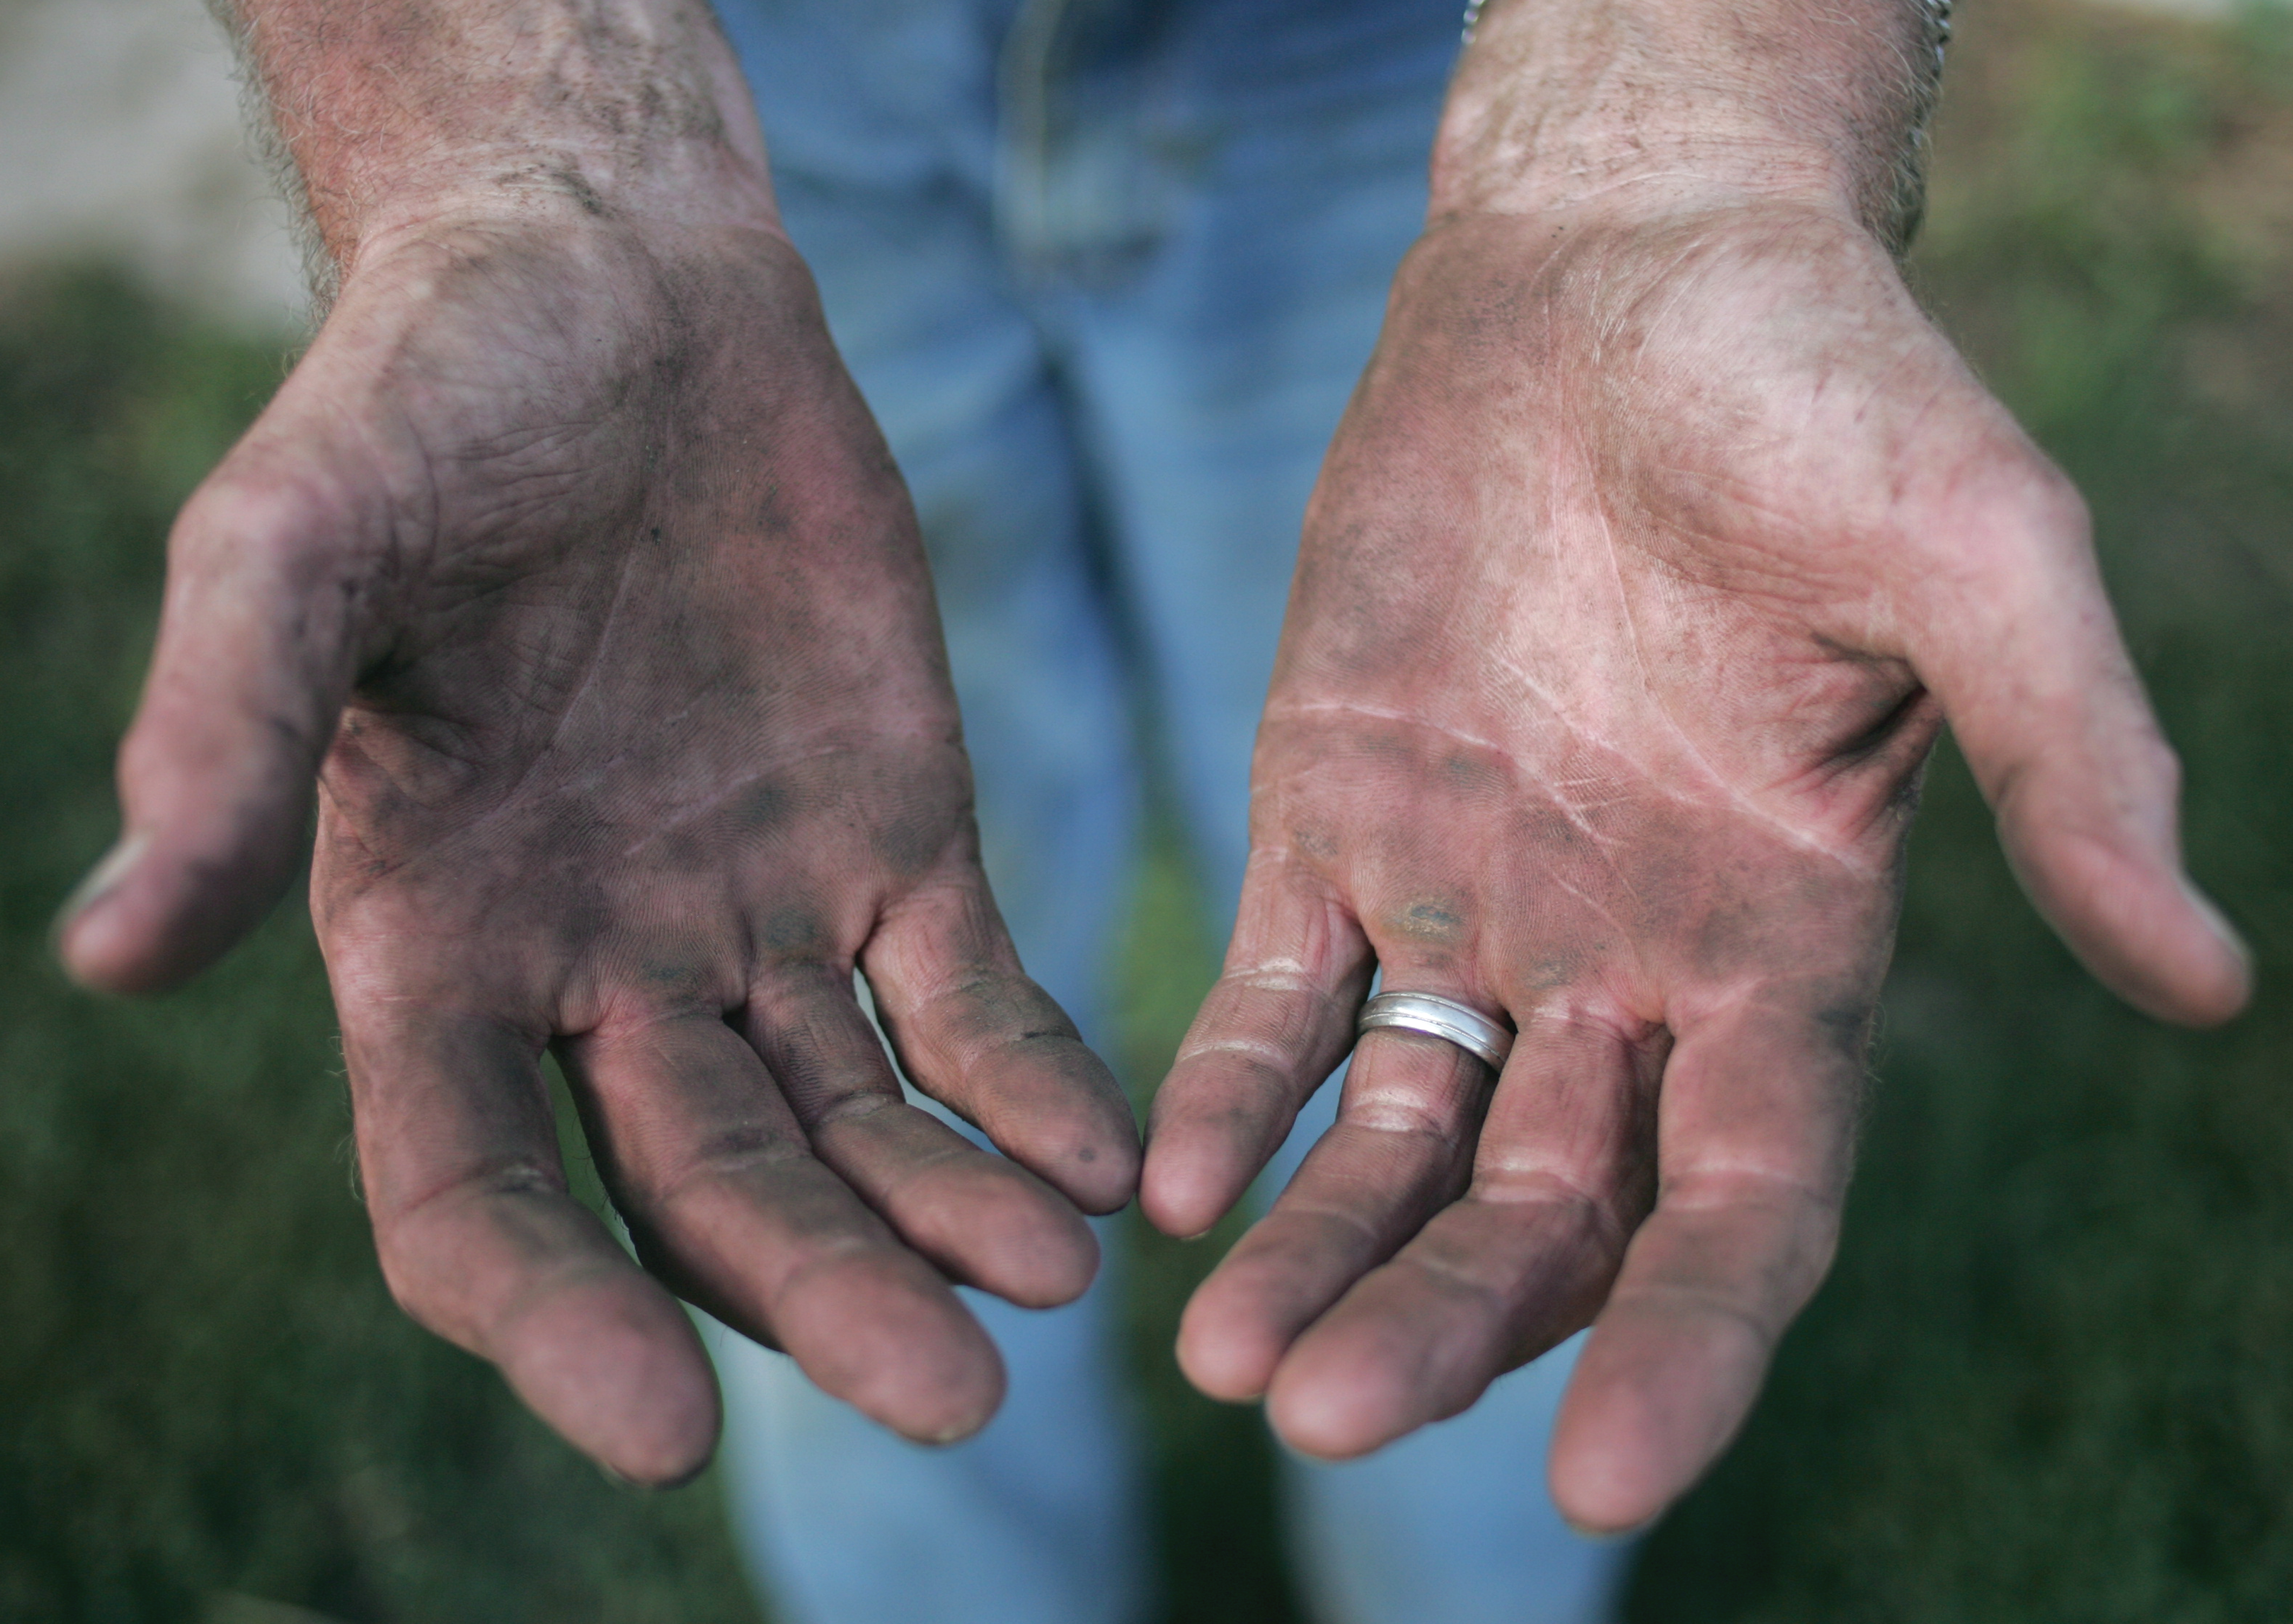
(513, 1178)
(1266, 1056)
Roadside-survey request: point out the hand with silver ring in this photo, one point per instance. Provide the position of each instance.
(1653, 552)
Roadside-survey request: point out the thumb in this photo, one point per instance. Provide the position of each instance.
(2051, 715)
(260, 636)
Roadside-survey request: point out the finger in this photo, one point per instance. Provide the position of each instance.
(972, 1032)
(479, 1241)
(727, 1203)
(985, 1220)
(2047, 706)
(1756, 1125)
(1400, 1150)
(268, 601)
(1271, 1032)
(1516, 1266)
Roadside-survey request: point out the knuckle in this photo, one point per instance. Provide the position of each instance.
(263, 513)
(2158, 764)
(1740, 1186)
(2013, 508)
(1400, 1112)
(1542, 1181)
(285, 551)
(425, 1234)
(1240, 1061)
(2054, 505)
(728, 1158)
(1721, 1309)
(405, 1250)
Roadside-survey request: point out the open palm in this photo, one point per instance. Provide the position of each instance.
(576, 558)
(1648, 562)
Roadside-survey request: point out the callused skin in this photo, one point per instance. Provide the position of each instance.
(571, 559)
(1659, 541)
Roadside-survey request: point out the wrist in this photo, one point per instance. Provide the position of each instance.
(1647, 106)
(562, 192)
(399, 112)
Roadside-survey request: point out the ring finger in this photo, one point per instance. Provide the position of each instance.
(1400, 1151)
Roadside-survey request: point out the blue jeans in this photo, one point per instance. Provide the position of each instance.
(1107, 271)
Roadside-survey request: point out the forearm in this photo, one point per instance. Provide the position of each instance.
(398, 111)
(1563, 103)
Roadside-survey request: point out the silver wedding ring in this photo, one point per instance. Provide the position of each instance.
(1460, 1023)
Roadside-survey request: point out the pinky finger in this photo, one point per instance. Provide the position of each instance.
(481, 1242)
(1758, 1117)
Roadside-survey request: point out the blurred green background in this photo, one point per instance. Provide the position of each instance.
(2051, 1376)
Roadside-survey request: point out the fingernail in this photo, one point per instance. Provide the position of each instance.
(1607, 1536)
(637, 1485)
(2212, 915)
(101, 880)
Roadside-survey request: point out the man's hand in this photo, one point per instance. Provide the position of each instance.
(573, 553)
(1660, 540)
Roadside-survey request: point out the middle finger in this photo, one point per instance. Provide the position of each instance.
(728, 1204)
(984, 1219)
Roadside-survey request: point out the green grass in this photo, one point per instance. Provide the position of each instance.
(2047, 1380)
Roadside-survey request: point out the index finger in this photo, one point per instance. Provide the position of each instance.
(973, 1032)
